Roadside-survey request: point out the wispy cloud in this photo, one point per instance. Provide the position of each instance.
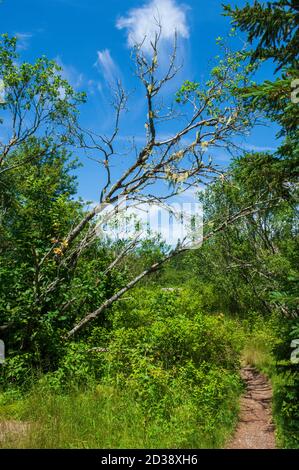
(191, 194)
(141, 24)
(71, 74)
(258, 148)
(107, 66)
(23, 40)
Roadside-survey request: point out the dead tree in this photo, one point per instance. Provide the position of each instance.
(213, 117)
(205, 116)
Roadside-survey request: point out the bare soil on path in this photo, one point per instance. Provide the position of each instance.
(255, 429)
(11, 431)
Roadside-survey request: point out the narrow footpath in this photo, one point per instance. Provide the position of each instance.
(255, 429)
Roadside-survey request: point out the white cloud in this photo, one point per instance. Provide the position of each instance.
(107, 66)
(258, 148)
(142, 23)
(191, 194)
(71, 74)
(23, 40)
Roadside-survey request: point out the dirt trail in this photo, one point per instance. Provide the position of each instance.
(255, 429)
(11, 431)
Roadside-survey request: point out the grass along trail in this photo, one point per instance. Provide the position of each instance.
(255, 429)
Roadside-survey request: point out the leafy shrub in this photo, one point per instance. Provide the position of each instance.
(286, 387)
(79, 368)
(286, 407)
(174, 359)
(172, 364)
(17, 371)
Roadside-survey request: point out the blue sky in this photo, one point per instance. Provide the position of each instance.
(90, 39)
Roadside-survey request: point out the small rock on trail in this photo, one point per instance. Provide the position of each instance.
(255, 429)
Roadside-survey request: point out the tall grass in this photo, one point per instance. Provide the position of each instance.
(102, 418)
(257, 353)
(261, 338)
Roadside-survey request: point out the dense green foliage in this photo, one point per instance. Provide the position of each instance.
(253, 267)
(169, 377)
(160, 366)
(273, 30)
(274, 25)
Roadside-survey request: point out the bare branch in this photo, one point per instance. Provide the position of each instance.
(91, 316)
(156, 266)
